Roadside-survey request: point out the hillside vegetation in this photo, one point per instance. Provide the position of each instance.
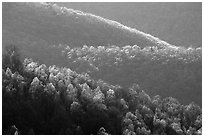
(170, 71)
(178, 23)
(157, 66)
(35, 26)
(52, 100)
(125, 82)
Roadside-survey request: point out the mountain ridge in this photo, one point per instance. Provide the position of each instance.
(175, 23)
(133, 36)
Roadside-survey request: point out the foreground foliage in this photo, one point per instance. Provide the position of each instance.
(53, 100)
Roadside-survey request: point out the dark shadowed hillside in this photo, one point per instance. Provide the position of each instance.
(177, 23)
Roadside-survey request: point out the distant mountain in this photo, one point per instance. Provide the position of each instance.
(34, 26)
(178, 23)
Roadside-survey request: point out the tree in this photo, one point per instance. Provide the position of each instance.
(12, 59)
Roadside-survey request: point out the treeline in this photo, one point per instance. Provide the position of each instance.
(50, 100)
(167, 71)
(116, 56)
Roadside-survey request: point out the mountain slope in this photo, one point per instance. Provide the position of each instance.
(169, 71)
(34, 27)
(178, 23)
(55, 25)
(58, 101)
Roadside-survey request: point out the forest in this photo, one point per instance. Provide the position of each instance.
(167, 71)
(71, 72)
(40, 99)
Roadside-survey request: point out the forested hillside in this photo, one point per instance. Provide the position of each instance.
(170, 71)
(35, 26)
(38, 99)
(156, 65)
(178, 23)
(67, 72)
